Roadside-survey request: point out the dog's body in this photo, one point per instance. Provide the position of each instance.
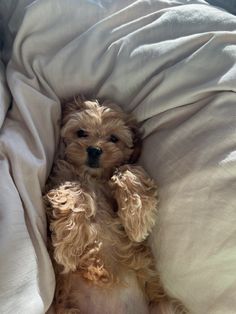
(101, 210)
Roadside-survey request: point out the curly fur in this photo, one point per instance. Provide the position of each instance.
(100, 216)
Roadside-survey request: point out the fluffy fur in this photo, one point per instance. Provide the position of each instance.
(101, 209)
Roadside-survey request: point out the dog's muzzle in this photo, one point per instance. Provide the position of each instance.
(94, 154)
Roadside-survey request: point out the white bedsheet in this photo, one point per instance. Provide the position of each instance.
(173, 64)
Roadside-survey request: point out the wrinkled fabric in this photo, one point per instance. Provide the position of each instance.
(173, 65)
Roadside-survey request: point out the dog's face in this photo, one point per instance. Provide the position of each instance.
(97, 137)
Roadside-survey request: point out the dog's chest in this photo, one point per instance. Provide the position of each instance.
(102, 196)
(106, 223)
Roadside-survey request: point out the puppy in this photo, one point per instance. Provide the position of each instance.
(101, 208)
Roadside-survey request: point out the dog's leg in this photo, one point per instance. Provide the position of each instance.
(70, 210)
(168, 307)
(63, 299)
(159, 302)
(136, 196)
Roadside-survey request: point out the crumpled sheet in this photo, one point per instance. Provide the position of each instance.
(173, 65)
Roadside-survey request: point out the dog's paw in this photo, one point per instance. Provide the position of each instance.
(136, 196)
(70, 211)
(69, 197)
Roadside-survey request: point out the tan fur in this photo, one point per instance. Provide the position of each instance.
(101, 217)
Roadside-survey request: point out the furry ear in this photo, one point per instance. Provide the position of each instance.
(111, 105)
(78, 103)
(70, 106)
(137, 138)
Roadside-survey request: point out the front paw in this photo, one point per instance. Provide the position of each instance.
(136, 196)
(70, 210)
(68, 198)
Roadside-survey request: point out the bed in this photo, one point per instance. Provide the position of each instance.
(173, 65)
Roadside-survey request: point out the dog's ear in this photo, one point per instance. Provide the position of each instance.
(110, 104)
(137, 138)
(76, 104)
(70, 106)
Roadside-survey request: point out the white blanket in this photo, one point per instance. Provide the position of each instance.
(171, 63)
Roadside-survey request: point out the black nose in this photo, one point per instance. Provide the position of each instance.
(94, 152)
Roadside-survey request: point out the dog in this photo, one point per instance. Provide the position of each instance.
(101, 208)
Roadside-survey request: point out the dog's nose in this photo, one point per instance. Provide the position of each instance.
(94, 152)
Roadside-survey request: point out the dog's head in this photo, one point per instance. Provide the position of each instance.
(98, 137)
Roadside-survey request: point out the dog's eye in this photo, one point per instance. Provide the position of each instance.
(81, 133)
(113, 139)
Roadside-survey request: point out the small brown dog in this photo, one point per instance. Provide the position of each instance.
(101, 209)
